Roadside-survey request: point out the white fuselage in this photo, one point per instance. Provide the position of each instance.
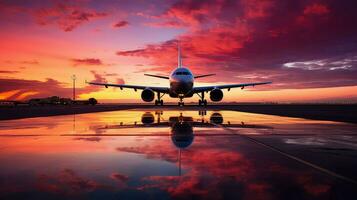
(181, 82)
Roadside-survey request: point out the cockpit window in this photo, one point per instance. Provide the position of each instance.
(182, 73)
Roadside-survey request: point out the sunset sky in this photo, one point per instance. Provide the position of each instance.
(308, 48)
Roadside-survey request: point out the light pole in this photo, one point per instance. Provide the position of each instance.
(74, 86)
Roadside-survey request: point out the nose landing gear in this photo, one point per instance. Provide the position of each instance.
(181, 103)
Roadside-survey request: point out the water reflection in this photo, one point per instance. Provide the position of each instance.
(159, 155)
(181, 126)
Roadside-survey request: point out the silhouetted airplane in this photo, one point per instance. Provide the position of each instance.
(181, 86)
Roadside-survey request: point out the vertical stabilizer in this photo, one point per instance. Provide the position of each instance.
(179, 60)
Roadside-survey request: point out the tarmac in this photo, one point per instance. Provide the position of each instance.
(177, 153)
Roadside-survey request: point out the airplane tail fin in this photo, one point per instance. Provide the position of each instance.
(179, 59)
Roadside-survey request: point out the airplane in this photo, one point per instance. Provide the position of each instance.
(181, 86)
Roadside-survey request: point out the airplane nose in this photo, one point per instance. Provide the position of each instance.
(183, 87)
(181, 84)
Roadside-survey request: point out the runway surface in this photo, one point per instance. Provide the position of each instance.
(177, 154)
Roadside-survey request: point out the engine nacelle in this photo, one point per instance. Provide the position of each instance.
(147, 95)
(147, 118)
(216, 95)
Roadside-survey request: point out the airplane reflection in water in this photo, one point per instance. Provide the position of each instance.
(182, 127)
(135, 154)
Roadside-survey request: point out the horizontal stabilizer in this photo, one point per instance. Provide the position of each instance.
(157, 76)
(201, 76)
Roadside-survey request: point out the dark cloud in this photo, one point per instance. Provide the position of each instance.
(261, 39)
(8, 72)
(89, 139)
(119, 177)
(121, 24)
(50, 87)
(86, 61)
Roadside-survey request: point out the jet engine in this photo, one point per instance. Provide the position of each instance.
(147, 95)
(216, 95)
(216, 118)
(147, 118)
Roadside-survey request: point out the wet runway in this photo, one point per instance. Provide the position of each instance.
(153, 154)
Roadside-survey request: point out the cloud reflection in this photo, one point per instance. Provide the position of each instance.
(154, 154)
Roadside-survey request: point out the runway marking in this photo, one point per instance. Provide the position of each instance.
(321, 169)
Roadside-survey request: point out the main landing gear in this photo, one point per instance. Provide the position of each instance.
(202, 101)
(159, 101)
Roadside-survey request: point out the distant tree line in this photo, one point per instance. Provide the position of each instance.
(54, 100)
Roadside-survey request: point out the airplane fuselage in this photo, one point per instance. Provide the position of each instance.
(181, 83)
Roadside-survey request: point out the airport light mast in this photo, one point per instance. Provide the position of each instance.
(74, 86)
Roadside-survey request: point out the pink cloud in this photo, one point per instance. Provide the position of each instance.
(255, 9)
(67, 17)
(251, 37)
(67, 182)
(316, 9)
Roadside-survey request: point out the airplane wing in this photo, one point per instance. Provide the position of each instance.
(228, 86)
(135, 87)
(205, 75)
(157, 76)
